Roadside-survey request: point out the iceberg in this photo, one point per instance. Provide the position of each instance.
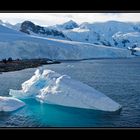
(8, 104)
(53, 88)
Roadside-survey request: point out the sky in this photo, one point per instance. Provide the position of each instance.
(48, 19)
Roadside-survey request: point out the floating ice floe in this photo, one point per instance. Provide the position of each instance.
(8, 104)
(53, 88)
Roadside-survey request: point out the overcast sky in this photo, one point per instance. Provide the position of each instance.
(58, 18)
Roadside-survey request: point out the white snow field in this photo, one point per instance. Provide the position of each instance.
(52, 88)
(137, 51)
(8, 104)
(113, 33)
(19, 45)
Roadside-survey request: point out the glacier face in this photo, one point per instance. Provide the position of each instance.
(52, 88)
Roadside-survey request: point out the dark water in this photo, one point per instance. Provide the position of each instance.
(117, 78)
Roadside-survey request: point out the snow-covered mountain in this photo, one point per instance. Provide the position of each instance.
(111, 33)
(17, 26)
(67, 25)
(6, 24)
(30, 28)
(17, 44)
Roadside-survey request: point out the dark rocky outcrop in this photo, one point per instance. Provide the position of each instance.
(14, 65)
(28, 27)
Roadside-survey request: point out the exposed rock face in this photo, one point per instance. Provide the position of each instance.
(29, 27)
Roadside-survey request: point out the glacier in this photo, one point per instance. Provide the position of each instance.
(111, 33)
(23, 46)
(53, 88)
(8, 104)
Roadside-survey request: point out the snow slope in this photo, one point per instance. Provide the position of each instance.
(6, 30)
(137, 51)
(53, 88)
(111, 33)
(66, 26)
(127, 39)
(19, 45)
(99, 32)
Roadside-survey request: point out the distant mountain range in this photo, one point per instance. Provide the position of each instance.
(103, 39)
(111, 33)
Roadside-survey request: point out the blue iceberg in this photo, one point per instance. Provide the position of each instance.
(53, 88)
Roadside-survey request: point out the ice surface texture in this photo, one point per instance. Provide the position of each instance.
(8, 104)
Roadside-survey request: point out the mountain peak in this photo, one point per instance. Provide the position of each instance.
(29, 27)
(70, 25)
(70, 21)
(27, 22)
(26, 26)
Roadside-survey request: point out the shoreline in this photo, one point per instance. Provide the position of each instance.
(101, 58)
(16, 65)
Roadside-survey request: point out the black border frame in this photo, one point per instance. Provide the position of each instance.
(68, 128)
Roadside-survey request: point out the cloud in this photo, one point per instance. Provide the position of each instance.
(112, 14)
(58, 18)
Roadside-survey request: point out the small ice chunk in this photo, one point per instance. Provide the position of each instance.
(8, 104)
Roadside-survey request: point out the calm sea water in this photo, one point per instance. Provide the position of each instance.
(117, 78)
